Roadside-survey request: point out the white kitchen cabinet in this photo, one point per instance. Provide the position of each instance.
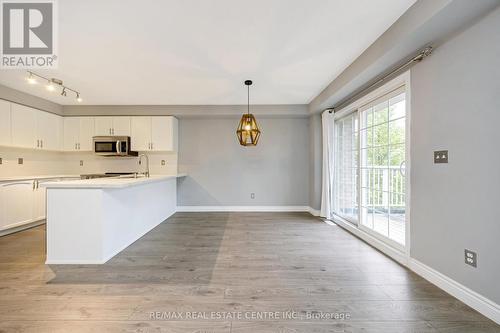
(103, 126)
(112, 126)
(154, 133)
(5, 132)
(39, 198)
(164, 133)
(78, 133)
(48, 134)
(141, 133)
(121, 126)
(23, 126)
(17, 203)
(86, 133)
(71, 133)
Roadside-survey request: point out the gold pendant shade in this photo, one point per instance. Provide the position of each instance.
(248, 131)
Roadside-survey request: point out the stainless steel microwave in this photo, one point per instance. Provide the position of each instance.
(113, 146)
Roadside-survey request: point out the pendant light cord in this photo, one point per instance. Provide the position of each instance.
(248, 99)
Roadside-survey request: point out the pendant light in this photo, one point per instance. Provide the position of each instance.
(248, 132)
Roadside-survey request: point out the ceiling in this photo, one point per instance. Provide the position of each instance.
(192, 52)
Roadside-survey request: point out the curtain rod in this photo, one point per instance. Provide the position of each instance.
(415, 59)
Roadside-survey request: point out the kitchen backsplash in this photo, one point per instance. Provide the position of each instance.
(59, 163)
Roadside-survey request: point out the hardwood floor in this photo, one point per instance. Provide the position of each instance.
(226, 272)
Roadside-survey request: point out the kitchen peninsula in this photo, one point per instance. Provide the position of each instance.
(91, 220)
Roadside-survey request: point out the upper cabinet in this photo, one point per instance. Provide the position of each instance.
(5, 132)
(33, 128)
(26, 127)
(112, 126)
(78, 133)
(49, 131)
(23, 126)
(154, 133)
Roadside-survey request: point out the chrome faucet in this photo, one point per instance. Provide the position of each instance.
(147, 164)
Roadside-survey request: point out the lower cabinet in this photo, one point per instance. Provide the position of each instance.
(17, 200)
(22, 202)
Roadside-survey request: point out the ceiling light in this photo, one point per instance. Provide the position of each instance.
(31, 79)
(248, 132)
(50, 86)
(63, 93)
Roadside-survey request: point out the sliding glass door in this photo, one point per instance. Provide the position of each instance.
(369, 164)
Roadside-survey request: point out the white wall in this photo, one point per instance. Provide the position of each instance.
(456, 106)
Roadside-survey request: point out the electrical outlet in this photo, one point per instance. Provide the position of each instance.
(441, 156)
(470, 258)
(1, 162)
(162, 162)
(81, 162)
(252, 195)
(20, 160)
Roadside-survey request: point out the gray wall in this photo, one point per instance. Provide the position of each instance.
(456, 106)
(221, 172)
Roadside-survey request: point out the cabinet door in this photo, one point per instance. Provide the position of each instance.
(5, 133)
(39, 203)
(23, 120)
(164, 133)
(103, 126)
(141, 133)
(17, 203)
(71, 133)
(48, 131)
(121, 126)
(86, 133)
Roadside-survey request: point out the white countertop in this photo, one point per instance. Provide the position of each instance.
(14, 178)
(115, 182)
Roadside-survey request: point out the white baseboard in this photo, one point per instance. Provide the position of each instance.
(314, 212)
(476, 301)
(243, 208)
(21, 226)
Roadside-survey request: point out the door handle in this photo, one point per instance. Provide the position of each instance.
(118, 148)
(401, 168)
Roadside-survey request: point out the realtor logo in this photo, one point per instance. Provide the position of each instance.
(28, 34)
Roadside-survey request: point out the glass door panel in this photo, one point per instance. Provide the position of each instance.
(382, 163)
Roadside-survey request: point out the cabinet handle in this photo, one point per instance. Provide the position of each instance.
(38, 143)
(76, 146)
(152, 146)
(41, 143)
(34, 185)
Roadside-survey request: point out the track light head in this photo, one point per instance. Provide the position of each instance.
(78, 98)
(63, 93)
(31, 78)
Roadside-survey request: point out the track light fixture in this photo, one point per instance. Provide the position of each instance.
(52, 83)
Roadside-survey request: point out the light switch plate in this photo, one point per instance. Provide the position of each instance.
(162, 162)
(252, 195)
(81, 162)
(441, 156)
(20, 160)
(471, 258)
